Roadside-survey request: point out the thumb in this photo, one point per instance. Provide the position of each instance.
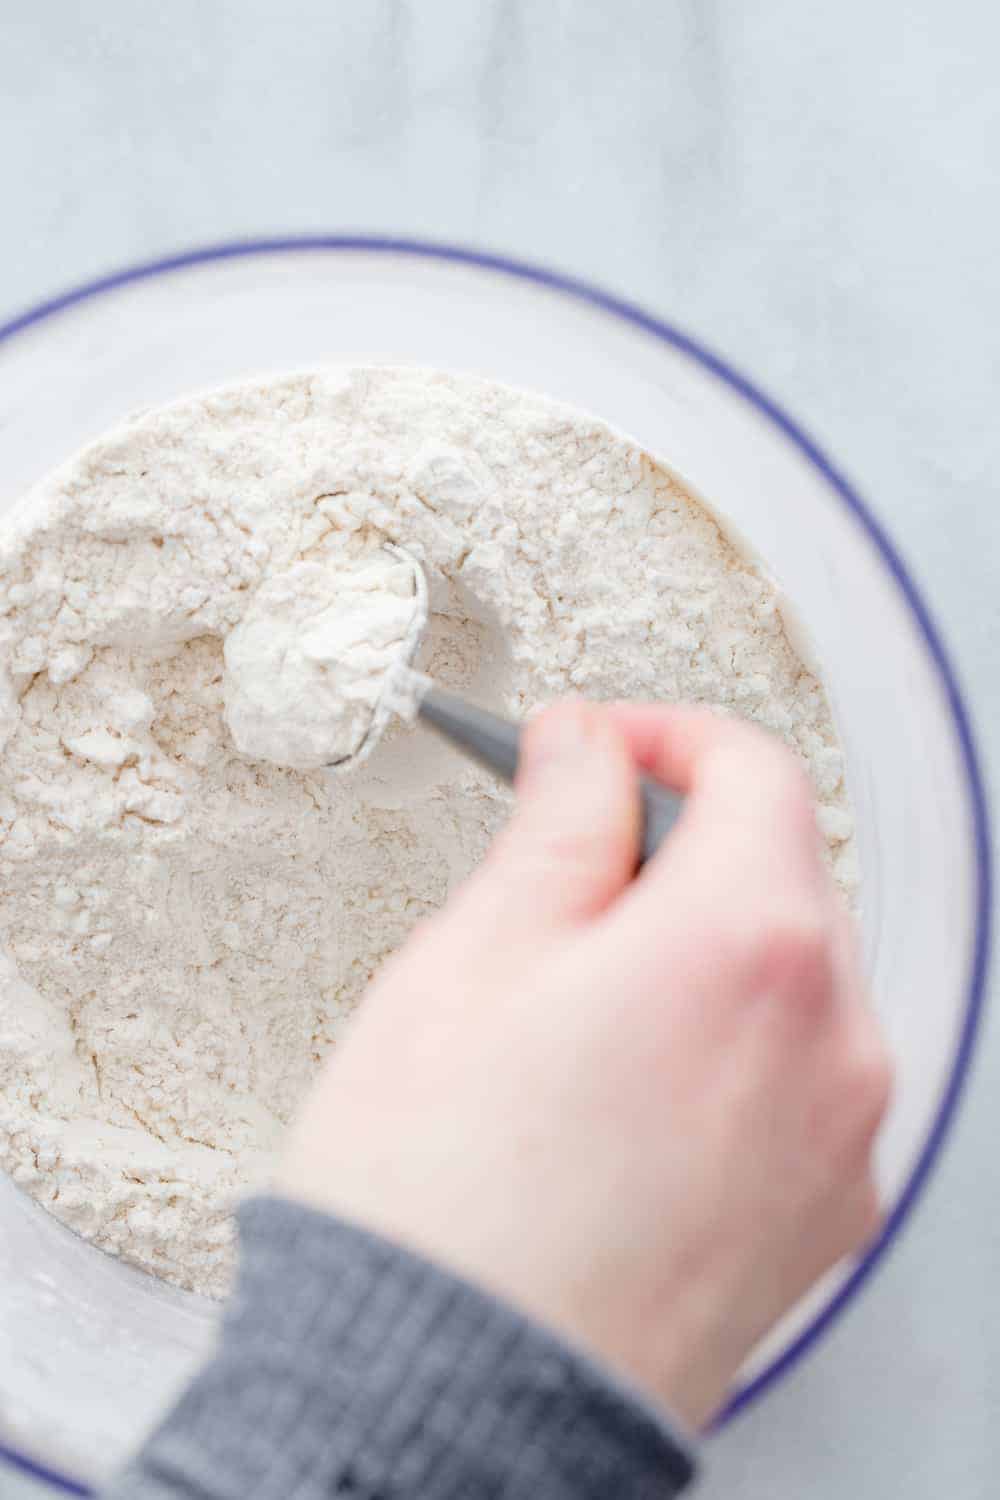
(572, 843)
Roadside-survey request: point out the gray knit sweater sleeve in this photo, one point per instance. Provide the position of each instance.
(347, 1366)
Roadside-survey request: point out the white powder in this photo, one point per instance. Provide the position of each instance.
(189, 925)
(308, 661)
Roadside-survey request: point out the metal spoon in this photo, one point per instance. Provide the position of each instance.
(486, 737)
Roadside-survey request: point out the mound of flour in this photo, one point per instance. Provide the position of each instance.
(308, 662)
(189, 913)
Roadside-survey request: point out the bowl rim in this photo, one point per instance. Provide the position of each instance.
(585, 292)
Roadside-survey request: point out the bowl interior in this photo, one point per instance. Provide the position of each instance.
(89, 1349)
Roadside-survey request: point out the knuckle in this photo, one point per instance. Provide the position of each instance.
(856, 1092)
(869, 1088)
(795, 957)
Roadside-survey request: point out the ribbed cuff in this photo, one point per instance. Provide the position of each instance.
(349, 1366)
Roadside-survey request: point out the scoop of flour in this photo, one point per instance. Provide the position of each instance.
(306, 666)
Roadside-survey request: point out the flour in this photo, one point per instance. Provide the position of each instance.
(307, 663)
(188, 922)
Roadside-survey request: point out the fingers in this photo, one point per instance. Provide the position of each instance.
(749, 812)
(670, 741)
(741, 881)
(571, 845)
(719, 762)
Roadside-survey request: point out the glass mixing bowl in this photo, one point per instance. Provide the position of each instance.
(89, 1349)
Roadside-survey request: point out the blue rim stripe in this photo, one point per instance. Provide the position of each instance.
(618, 307)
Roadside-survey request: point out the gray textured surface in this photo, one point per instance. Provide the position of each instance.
(813, 190)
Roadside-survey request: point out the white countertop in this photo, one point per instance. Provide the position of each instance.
(813, 191)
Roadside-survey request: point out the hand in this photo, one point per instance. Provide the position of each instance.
(643, 1111)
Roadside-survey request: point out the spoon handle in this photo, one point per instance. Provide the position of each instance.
(495, 743)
